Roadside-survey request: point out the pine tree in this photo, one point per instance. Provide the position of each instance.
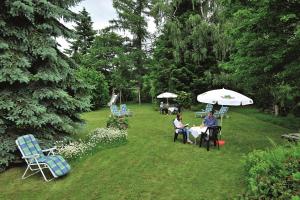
(132, 18)
(39, 92)
(84, 35)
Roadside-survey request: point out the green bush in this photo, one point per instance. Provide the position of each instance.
(117, 122)
(273, 174)
(184, 99)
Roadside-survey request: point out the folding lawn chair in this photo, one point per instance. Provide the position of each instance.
(124, 110)
(114, 110)
(222, 112)
(202, 113)
(37, 161)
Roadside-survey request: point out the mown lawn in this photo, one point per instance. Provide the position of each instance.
(150, 165)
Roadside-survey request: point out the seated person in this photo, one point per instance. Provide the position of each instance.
(181, 128)
(210, 120)
(165, 109)
(161, 107)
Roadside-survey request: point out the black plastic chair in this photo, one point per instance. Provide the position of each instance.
(184, 136)
(210, 135)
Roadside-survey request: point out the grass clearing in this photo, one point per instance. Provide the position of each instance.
(151, 165)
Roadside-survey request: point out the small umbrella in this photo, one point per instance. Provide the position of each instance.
(167, 95)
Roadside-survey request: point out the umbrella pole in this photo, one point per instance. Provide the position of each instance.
(221, 126)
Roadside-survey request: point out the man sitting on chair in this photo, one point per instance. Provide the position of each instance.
(210, 120)
(181, 128)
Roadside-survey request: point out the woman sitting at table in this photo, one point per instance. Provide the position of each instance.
(181, 128)
(210, 120)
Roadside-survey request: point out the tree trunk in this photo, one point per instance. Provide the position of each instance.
(276, 110)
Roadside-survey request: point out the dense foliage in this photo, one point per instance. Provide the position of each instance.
(266, 57)
(273, 174)
(187, 52)
(40, 93)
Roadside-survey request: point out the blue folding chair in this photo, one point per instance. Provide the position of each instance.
(202, 113)
(124, 110)
(37, 161)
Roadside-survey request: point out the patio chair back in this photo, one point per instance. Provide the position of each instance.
(208, 107)
(28, 145)
(114, 110)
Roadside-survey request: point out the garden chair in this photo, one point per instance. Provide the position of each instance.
(114, 110)
(37, 161)
(177, 132)
(124, 110)
(202, 113)
(210, 135)
(222, 112)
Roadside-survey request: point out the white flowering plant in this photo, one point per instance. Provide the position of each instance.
(98, 137)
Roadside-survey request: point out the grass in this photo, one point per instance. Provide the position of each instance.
(151, 165)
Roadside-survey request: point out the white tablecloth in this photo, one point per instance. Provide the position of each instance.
(172, 109)
(197, 130)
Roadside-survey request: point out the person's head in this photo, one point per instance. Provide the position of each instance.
(178, 116)
(210, 114)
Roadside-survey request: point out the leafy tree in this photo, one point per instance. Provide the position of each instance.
(132, 18)
(84, 35)
(98, 85)
(108, 55)
(190, 46)
(266, 61)
(39, 92)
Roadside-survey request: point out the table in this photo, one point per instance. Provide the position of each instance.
(293, 137)
(173, 109)
(197, 130)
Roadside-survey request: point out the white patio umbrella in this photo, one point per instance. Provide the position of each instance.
(167, 95)
(225, 98)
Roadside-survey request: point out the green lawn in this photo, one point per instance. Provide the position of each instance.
(151, 165)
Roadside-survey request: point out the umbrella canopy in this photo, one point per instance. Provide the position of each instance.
(224, 97)
(167, 95)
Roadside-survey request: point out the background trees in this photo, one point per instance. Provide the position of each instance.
(39, 91)
(265, 60)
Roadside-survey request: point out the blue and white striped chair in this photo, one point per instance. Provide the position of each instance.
(37, 161)
(115, 111)
(124, 110)
(202, 113)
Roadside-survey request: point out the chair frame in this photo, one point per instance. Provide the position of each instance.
(34, 166)
(184, 136)
(210, 136)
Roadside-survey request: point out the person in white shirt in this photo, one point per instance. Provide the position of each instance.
(181, 128)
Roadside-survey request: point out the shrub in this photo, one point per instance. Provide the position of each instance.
(273, 174)
(184, 99)
(117, 122)
(97, 137)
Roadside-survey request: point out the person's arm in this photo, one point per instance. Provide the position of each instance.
(204, 121)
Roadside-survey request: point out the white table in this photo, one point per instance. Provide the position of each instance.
(172, 109)
(196, 131)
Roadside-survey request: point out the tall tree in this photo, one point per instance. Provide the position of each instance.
(132, 18)
(188, 50)
(108, 55)
(39, 92)
(84, 35)
(267, 51)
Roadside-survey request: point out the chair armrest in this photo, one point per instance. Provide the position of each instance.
(31, 156)
(51, 149)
